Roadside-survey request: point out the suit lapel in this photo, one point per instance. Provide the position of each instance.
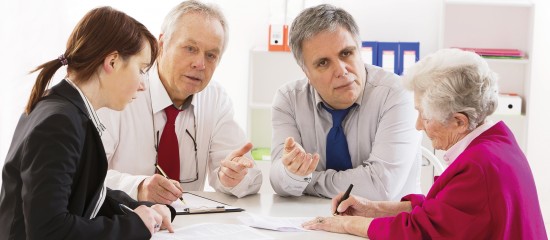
(96, 159)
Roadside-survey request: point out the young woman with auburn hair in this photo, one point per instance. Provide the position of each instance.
(53, 177)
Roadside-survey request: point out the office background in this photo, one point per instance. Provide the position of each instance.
(34, 31)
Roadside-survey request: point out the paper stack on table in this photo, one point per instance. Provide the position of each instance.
(212, 231)
(283, 224)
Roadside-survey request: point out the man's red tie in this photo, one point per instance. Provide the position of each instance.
(168, 150)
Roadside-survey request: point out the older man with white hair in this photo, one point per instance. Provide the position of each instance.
(181, 123)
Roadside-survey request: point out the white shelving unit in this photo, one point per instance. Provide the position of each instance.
(268, 72)
(495, 24)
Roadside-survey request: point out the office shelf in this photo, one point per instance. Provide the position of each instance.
(496, 24)
(509, 61)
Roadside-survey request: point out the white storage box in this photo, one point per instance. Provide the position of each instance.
(508, 104)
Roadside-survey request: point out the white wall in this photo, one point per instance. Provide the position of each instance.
(35, 31)
(539, 128)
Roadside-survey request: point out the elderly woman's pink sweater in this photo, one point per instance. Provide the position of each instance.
(488, 192)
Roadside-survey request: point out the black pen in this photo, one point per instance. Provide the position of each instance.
(166, 176)
(125, 208)
(344, 198)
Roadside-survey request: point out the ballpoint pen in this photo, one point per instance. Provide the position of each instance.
(166, 176)
(125, 208)
(344, 198)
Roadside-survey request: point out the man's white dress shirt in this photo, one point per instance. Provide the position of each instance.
(131, 135)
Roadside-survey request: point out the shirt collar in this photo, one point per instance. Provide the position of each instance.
(459, 147)
(159, 96)
(92, 115)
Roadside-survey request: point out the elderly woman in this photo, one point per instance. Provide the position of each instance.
(487, 192)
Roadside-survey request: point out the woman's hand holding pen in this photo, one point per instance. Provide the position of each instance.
(235, 166)
(353, 206)
(155, 218)
(351, 216)
(355, 214)
(159, 189)
(358, 206)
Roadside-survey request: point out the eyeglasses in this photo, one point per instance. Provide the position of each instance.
(196, 176)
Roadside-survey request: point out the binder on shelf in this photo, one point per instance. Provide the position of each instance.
(409, 53)
(496, 52)
(278, 37)
(388, 53)
(369, 52)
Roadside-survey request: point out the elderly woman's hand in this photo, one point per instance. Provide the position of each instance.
(358, 206)
(340, 224)
(353, 206)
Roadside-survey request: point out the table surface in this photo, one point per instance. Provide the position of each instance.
(268, 205)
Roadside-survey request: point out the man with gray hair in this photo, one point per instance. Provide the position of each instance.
(182, 125)
(347, 122)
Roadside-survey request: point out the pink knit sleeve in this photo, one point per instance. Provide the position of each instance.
(415, 199)
(455, 209)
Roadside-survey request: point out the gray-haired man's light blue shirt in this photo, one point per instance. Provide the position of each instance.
(383, 143)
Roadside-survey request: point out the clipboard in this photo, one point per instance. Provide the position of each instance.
(200, 205)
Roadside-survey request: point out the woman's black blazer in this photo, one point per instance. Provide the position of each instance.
(53, 176)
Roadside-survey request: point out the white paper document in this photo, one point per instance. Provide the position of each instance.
(283, 224)
(212, 231)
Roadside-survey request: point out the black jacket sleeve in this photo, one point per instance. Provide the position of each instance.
(114, 198)
(49, 169)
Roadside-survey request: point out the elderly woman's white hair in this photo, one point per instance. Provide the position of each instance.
(454, 81)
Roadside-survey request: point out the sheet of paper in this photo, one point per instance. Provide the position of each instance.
(283, 224)
(195, 202)
(212, 231)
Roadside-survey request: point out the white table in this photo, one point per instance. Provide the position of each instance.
(269, 205)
